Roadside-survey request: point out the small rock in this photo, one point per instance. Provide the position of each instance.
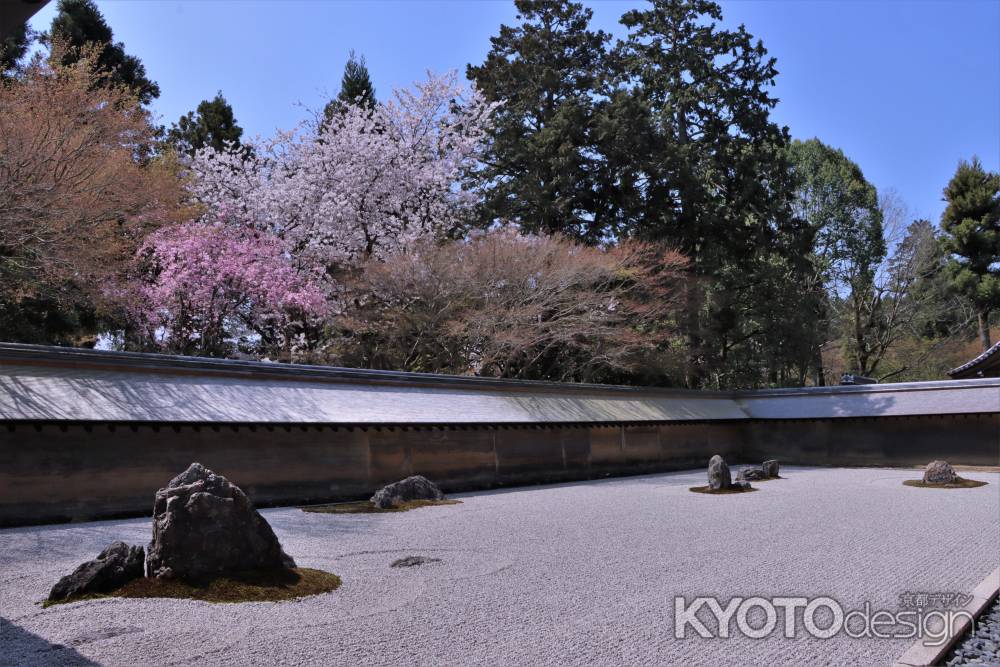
(718, 474)
(742, 484)
(114, 567)
(752, 474)
(416, 487)
(203, 526)
(939, 472)
(770, 467)
(410, 561)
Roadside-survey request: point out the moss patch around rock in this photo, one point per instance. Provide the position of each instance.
(256, 586)
(960, 483)
(365, 507)
(720, 492)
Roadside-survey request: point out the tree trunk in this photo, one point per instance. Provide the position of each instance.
(860, 353)
(819, 377)
(692, 305)
(984, 329)
(820, 315)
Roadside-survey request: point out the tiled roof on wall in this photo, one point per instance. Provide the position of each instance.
(969, 366)
(41, 383)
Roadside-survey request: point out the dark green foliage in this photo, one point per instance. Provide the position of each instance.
(714, 163)
(355, 88)
(699, 165)
(544, 170)
(836, 200)
(971, 226)
(47, 320)
(13, 47)
(212, 124)
(79, 23)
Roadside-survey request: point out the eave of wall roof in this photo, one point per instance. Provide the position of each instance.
(987, 359)
(40, 383)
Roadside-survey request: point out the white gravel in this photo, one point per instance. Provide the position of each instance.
(580, 573)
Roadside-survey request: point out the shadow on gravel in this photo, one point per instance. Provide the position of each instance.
(23, 648)
(680, 477)
(366, 507)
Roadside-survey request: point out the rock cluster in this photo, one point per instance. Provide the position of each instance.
(203, 525)
(767, 470)
(719, 477)
(117, 565)
(416, 487)
(939, 472)
(981, 647)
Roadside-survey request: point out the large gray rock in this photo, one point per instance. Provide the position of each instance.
(770, 467)
(114, 567)
(718, 474)
(939, 472)
(203, 526)
(416, 487)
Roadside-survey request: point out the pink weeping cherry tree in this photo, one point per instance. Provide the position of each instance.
(206, 287)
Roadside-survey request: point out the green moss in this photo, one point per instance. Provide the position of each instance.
(255, 586)
(76, 598)
(960, 483)
(365, 507)
(720, 492)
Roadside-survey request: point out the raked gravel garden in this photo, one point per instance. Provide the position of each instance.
(580, 573)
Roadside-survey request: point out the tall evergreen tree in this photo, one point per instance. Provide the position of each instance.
(702, 165)
(971, 226)
(212, 124)
(543, 167)
(80, 22)
(355, 88)
(13, 46)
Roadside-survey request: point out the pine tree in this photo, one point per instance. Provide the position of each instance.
(212, 124)
(543, 167)
(79, 23)
(700, 165)
(971, 226)
(355, 88)
(13, 46)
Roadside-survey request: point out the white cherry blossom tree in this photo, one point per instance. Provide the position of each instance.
(365, 183)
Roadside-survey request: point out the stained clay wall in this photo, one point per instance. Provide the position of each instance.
(74, 471)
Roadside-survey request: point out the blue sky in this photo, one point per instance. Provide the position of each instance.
(906, 89)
